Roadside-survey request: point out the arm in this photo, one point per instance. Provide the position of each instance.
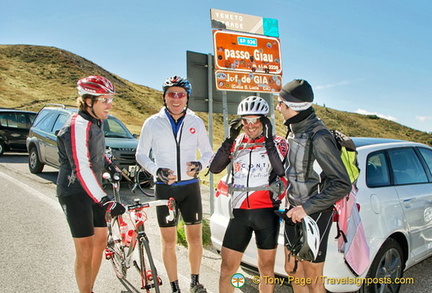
(80, 156)
(275, 157)
(144, 146)
(222, 157)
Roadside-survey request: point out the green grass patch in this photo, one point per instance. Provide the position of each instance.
(181, 234)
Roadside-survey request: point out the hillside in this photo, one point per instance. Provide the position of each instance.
(31, 76)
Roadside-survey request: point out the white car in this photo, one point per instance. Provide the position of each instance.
(395, 198)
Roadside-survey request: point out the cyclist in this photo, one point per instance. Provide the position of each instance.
(81, 149)
(317, 175)
(256, 185)
(174, 135)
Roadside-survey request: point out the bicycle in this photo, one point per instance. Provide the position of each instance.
(140, 178)
(124, 238)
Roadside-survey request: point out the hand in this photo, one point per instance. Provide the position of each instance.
(296, 214)
(193, 168)
(109, 205)
(166, 175)
(235, 128)
(267, 129)
(115, 172)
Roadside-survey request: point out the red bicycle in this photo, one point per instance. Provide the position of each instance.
(127, 233)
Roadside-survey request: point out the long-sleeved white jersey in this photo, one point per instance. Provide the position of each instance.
(169, 151)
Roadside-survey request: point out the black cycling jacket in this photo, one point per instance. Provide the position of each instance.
(318, 186)
(81, 149)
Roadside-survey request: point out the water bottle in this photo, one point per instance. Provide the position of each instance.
(123, 230)
(129, 236)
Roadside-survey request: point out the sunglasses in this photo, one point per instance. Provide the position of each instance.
(250, 120)
(178, 95)
(105, 100)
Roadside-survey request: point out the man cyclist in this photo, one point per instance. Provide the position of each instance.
(254, 159)
(81, 149)
(173, 136)
(317, 175)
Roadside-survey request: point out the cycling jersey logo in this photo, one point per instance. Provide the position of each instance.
(192, 130)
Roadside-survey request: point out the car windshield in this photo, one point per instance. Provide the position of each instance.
(114, 128)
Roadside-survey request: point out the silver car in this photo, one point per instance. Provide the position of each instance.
(395, 199)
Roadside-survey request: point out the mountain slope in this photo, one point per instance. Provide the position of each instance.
(31, 76)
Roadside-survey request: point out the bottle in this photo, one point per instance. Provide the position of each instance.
(130, 234)
(123, 230)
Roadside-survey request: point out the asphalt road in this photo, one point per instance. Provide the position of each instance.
(38, 251)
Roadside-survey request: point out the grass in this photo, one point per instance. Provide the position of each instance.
(181, 236)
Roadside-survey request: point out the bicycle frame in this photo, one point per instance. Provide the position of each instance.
(122, 244)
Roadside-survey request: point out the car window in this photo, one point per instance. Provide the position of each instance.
(41, 115)
(427, 155)
(10, 120)
(377, 174)
(406, 166)
(47, 122)
(61, 120)
(114, 128)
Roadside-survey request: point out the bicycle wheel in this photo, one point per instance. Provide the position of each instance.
(144, 180)
(149, 276)
(116, 249)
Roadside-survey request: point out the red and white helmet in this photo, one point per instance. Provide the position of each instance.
(95, 85)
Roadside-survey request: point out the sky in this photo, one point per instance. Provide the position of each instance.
(363, 56)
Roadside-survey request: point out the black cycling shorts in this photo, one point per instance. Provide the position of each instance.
(264, 222)
(324, 221)
(82, 214)
(187, 195)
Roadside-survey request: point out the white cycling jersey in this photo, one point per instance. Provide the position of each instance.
(172, 152)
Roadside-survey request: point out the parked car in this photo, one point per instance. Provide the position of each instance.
(14, 128)
(42, 140)
(395, 199)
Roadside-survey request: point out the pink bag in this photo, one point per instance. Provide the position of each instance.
(351, 237)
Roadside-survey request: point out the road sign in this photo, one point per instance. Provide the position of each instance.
(243, 81)
(197, 73)
(246, 52)
(221, 19)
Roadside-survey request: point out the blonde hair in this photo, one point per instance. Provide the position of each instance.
(82, 105)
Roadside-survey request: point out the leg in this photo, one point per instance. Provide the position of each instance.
(313, 272)
(83, 263)
(298, 275)
(195, 246)
(99, 245)
(169, 240)
(230, 263)
(266, 262)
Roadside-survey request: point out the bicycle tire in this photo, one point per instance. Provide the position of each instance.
(149, 276)
(144, 180)
(115, 245)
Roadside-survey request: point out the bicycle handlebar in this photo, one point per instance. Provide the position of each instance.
(170, 203)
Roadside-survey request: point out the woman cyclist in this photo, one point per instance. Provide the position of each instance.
(174, 135)
(81, 148)
(256, 186)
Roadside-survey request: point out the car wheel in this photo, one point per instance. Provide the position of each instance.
(2, 148)
(35, 164)
(387, 265)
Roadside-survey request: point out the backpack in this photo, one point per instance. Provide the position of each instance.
(350, 232)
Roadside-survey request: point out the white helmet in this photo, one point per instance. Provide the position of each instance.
(253, 105)
(305, 244)
(310, 239)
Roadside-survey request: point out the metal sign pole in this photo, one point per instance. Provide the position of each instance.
(225, 112)
(210, 121)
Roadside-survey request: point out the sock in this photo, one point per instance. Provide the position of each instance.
(175, 286)
(194, 280)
